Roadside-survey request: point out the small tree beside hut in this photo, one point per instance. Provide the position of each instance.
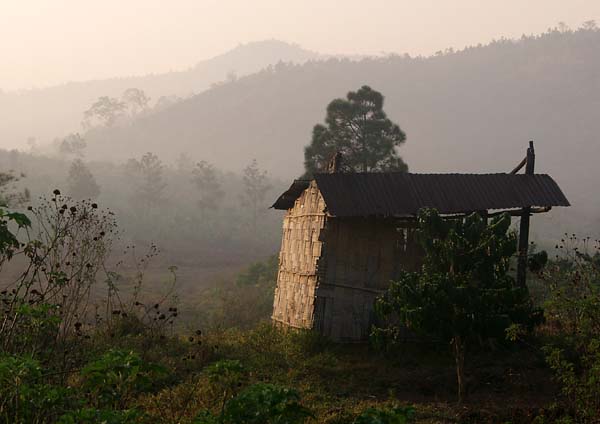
(463, 292)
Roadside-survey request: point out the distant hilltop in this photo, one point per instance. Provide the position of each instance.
(46, 113)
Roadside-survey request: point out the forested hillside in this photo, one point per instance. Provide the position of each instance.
(467, 111)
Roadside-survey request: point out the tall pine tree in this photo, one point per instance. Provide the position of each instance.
(359, 129)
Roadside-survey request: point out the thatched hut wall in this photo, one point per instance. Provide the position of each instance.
(301, 248)
(332, 269)
(360, 258)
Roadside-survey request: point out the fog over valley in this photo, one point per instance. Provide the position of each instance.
(472, 110)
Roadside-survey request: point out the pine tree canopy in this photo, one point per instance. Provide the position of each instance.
(360, 130)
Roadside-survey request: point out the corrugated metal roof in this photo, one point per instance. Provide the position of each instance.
(403, 194)
(287, 198)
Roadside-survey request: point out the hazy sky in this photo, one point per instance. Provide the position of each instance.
(45, 42)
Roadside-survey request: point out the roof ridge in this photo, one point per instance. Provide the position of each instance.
(414, 173)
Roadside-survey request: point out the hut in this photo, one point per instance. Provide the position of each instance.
(347, 235)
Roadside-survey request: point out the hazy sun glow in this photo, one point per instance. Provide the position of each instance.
(46, 42)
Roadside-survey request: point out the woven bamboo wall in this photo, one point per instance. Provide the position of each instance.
(301, 246)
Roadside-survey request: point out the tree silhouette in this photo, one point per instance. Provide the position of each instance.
(358, 128)
(149, 181)
(206, 181)
(80, 181)
(135, 100)
(73, 144)
(589, 26)
(184, 163)
(255, 190)
(105, 110)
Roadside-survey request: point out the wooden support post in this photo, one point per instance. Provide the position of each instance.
(484, 215)
(524, 227)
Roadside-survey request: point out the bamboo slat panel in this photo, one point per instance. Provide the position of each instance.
(301, 248)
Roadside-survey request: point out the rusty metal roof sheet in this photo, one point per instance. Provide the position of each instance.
(287, 198)
(403, 194)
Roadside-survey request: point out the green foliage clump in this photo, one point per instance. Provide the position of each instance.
(38, 326)
(9, 244)
(579, 378)
(396, 415)
(463, 293)
(104, 416)
(25, 397)
(260, 273)
(116, 377)
(106, 387)
(226, 378)
(260, 404)
(572, 311)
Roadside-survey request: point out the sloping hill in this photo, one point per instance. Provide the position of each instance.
(56, 111)
(468, 111)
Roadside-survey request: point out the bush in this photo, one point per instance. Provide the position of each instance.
(579, 378)
(396, 415)
(104, 416)
(117, 377)
(260, 404)
(572, 312)
(260, 273)
(108, 385)
(25, 397)
(63, 250)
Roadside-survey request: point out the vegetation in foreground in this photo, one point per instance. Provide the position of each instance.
(75, 350)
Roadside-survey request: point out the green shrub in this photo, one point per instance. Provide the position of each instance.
(38, 327)
(117, 377)
(396, 415)
(463, 293)
(225, 378)
(572, 311)
(25, 397)
(260, 404)
(103, 416)
(260, 273)
(579, 378)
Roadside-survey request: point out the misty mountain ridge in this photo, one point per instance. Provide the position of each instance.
(51, 112)
(243, 59)
(467, 111)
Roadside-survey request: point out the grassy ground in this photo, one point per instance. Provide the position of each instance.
(336, 382)
(339, 381)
